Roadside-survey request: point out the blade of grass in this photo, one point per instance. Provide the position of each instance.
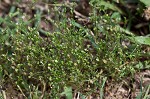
(147, 91)
(141, 90)
(102, 88)
(12, 10)
(107, 5)
(141, 40)
(38, 18)
(119, 28)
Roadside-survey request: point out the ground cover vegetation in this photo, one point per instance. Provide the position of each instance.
(74, 49)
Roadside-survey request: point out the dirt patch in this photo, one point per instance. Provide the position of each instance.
(129, 88)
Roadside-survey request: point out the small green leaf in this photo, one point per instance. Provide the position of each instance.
(116, 16)
(146, 2)
(82, 96)
(67, 92)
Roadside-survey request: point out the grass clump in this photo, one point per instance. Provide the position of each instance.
(73, 55)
